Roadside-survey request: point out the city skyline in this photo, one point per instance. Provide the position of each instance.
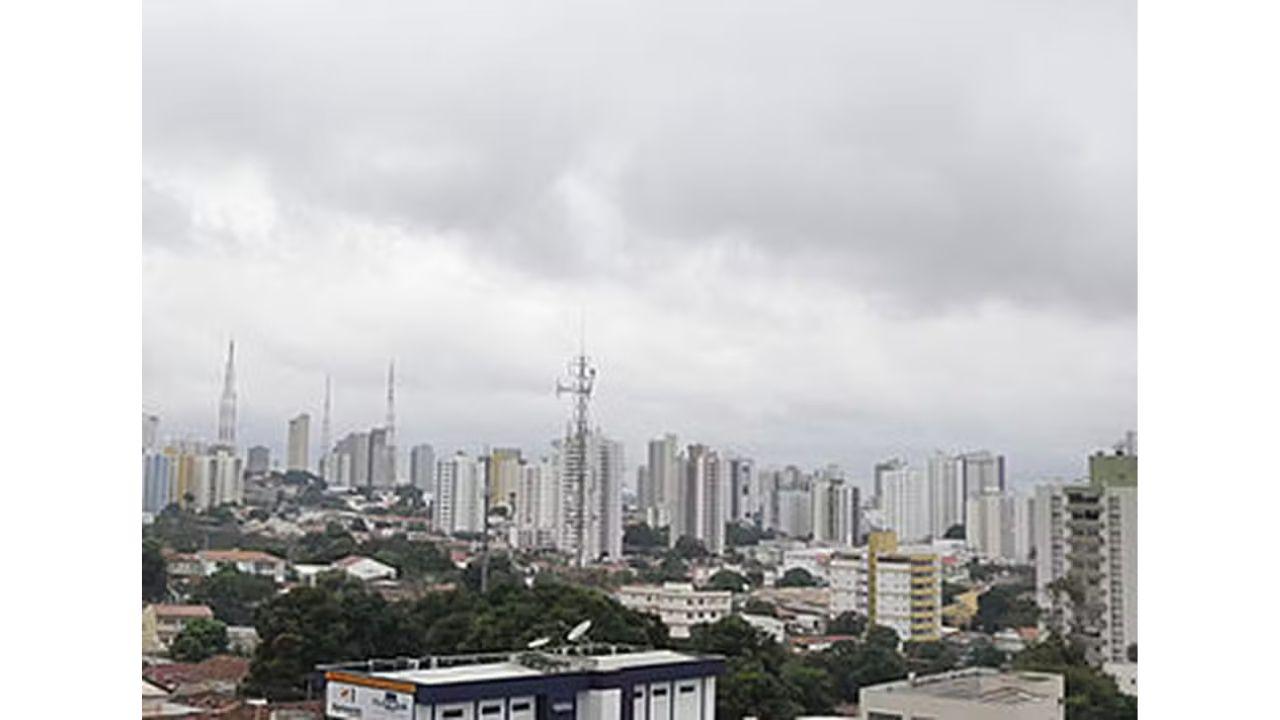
(878, 237)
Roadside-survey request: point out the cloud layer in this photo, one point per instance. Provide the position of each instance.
(814, 231)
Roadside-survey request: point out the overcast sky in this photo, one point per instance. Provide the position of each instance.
(808, 231)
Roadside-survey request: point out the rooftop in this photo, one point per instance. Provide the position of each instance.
(192, 611)
(982, 685)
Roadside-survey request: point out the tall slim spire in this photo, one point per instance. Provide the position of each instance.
(391, 422)
(227, 408)
(324, 422)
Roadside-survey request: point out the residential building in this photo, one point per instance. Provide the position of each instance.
(537, 505)
(905, 502)
(161, 623)
(150, 432)
(458, 504)
(365, 569)
(679, 605)
(1087, 557)
(897, 587)
(159, 481)
(528, 685)
(206, 562)
(503, 469)
(982, 472)
(968, 694)
(986, 522)
(878, 475)
(663, 491)
(946, 494)
(422, 466)
(744, 506)
(381, 458)
(299, 454)
(259, 460)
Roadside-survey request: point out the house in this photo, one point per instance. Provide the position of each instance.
(252, 562)
(161, 623)
(365, 569)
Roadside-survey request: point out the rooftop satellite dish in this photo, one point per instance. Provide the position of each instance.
(540, 642)
(579, 631)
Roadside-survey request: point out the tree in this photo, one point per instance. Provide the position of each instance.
(728, 580)
(930, 658)
(987, 655)
(689, 548)
(955, 532)
(742, 534)
(848, 623)
(1090, 693)
(233, 595)
(854, 665)
(640, 537)
(756, 606)
(1006, 606)
(155, 577)
(797, 577)
(200, 639)
(883, 636)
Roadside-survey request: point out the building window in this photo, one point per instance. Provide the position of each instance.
(450, 714)
(490, 709)
(519, 707)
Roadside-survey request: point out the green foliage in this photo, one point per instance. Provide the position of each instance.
(340, 620)
(756, 606)
(950, 590)
(688, 548)
(200, 639)
(955, 532)
(987, 655)
(928, 658)
(760, 679)
(853, 665)
(882, 636)
(154, 575)
(234, 595)
(413, 560)
(797, 577)
(744, 534)
(642, 538)
(1090, 693)
(728, 580)
(333, 544)
(670, 568)
(847, 623)
(501, 573)
(1006, 606)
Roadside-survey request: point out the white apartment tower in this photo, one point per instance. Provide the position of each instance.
(458, 504)
(422, 467)
(905, 502)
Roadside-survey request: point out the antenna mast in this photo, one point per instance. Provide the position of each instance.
(579, 383)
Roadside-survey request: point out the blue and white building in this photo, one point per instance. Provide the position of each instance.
(640, 685)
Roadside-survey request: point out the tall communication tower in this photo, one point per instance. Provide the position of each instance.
(227, 406)
(391, 423)
(578, 383)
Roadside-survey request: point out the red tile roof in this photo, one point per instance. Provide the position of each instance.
(193, 611)
(238, 556)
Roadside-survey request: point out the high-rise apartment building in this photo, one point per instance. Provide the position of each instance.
(259, 461)
(458, 500)
(503, 468)
(159, 482)
(381, 471)
(744, 506)
(299, 455)
(537, 505)
(664, 480)
(422, 467)
(703, 507)
(946, 494)
(878, 475)
(982, 472)
(835, 511)
(905, 502)
(150, 432)
(601, 498)
(1087, 556)
(897, 587)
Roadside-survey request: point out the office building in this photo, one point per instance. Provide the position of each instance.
(298, 456)
(527, 685)
(897, 587)
(680, 605)
(422, 467)
(968, 694)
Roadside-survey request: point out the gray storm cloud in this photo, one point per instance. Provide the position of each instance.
(812, 231)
